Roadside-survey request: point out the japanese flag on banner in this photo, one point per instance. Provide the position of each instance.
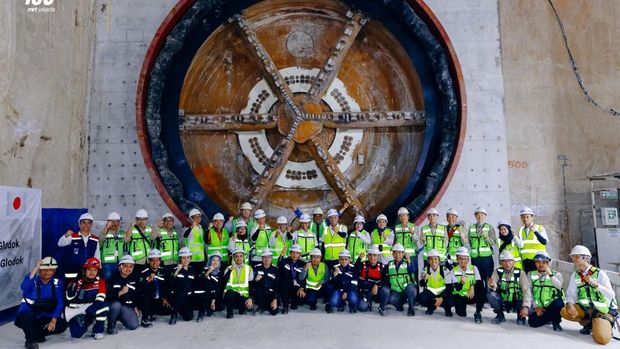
(16, 203)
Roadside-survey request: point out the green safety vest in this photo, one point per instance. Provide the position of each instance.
(479, 245)
(278, 246)
(544, 292)
(356, 245)
(218, 245)
(399, 278)
(510, 290)
(239, 282)
(139, 246)
(435, 241)
(113, 247)
(454, 242)
(379, 240)
(169, 245)
(402, 235)
(314, 279)
(195, 241)
(262, 240)
(251, 222)
(318, 229)
(514, 250)
(470, 279)
(436, 284)
(245, 245)
(307, 242)
(531, 245)
(590, 297)
(334, 243)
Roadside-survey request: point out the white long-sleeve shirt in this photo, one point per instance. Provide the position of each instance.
(66, 241)
(604, 286)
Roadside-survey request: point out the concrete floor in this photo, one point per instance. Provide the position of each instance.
(305, 329)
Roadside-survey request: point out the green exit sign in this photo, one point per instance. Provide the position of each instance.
(609, 194)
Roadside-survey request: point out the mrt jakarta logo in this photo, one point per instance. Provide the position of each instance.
(40, 6)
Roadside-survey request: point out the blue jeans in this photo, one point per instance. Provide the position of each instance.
(312, 296)
(398, 299)
(498, 304)
(365, 300)
(336, 299)
(97, 312)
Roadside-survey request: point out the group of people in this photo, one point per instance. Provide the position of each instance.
(132, 276)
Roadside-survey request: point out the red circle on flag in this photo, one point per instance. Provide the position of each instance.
(17, 202)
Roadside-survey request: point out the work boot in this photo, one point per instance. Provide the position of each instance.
(229, 315)
(352, 310)
(152, 318)
(284, 310)
(587, 329)
(98, 335)
(146, 323)
(341, 308)
(520, 321)
(382, 312)
(201, 316)
(173, 319)
(312, 307)
(31, 345)
(112, 329)
(448, 312)
(477, 317)
(328, 309)
(294, 306)
(499, 318)
(41, 339)
(411, 312)
(557, 327)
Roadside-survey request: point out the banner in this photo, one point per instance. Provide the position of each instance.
(20, 240)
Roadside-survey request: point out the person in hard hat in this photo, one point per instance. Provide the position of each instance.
(279, 243)
(482, 240)
(305, 238)
(590, 298)
(199, 246)
(434, 236)
(509, 241)
(240, 240)
(40, 312)
(436, 288)
(245, 215)
(358, 240)
(315, 275)
(111, 244)
(237, 279)
(290, 271)
(467, 285)
(405, 234)
(208, 283)
(398, 282)
(139, 238)
(383, 238)
(543, 297)
(78, 247)
(266, 285)
(182, 288)
(218, 238)
(122, 296)
(505, 291)
(369, 273)
(344, 284)
(457, 236)
(534, 237)
(334, 239)
(155, 295)
(86, 301)
(167, 240)
(260, 235)
(318, 224)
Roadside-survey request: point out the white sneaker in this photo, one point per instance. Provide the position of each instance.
(98, 335)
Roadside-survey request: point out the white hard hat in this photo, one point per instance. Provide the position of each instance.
(114, 216)
(185, 252)
(503, 222)
(317, 210)
(154, 253)
(259, 214)
(167, 215)
(332, 212)
(238, 250)
(403, 210)
(141, 213)
(542, 256)
(526, 210)
(218, 216)
(506, 256)
(241, 224)
(432, 211)
(194, 212)
(398, 248)
(480, 210)
(316, 252)
(453, 212)
(581, 251)
(374, 250)
(48, 263)
(344, 253)
(281, 220)
(296, 248)
(266, 253)
(215, 254)
(86, 217)
(126, 259)
(433, 253)
(246, 206)
(380, 217)
(462, 251)
(359, 219)
(304, 218)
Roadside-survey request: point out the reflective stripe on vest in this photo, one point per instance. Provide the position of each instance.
(531, 245)
(356, 245)
(399, 278)
(510, 290)
(379, 240)
(218, 245)
(139, 247)
(333, 242)
(314, 279)
(479, 245)
(544, 292)
(318, 229)
(435, 241)
(470, 279)
(278, 246)
(262, 240)
(246, 246)
(588, 296)
(454, 242)
(112, 248)
(403, 236)
(239, 282)
(436, 284)
(307, 242)
(514, 250)
(169, 245)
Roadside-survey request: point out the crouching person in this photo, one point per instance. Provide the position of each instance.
(590, 298)
(154, 285)
(122, 296)
(545, 286)
(437, 291)
(182, 288)
(209, 281)
(369, 273)
(344, 282)
(86, 301)
(468, 287)
(39, 314)
(266, 285)
(316, 285)
(398, 281)
(505, 290)
(237, 279)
